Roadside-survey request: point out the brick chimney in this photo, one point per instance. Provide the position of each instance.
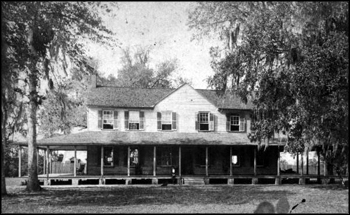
(93, 81)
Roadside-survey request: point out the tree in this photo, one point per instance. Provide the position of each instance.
(291, 59)
(64, 107)
(137, 72)
(48, 38)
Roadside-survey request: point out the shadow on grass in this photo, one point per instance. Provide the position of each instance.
(119, 196)
(328, 187)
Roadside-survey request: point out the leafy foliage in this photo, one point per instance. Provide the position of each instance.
(291, 59)
(46, 40)
(137, 72)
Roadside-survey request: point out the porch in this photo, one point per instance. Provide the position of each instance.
(69, 179)
(148, 158)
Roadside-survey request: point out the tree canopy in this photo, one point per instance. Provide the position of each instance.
(44, 41)
(290, 59)
(137, 71)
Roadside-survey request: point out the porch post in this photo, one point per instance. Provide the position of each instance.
(102, 153)
(255, 148)
(37, 159)
(128, 160)
(206, 161)
(20, 161)
(278, 161)
(179, 161)
(50, 161)
(47, 164)
(302, 163)
(325, 166)
(307, 162)
(154, 160)
(75, 161)
(318, 165)
(44, 163)
(297, 162)
(230, 160)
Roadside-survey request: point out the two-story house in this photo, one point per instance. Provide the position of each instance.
(143, 133)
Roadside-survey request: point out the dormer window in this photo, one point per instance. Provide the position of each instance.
(134, 120)
(166, 120)
(235, 123)
(205, 121)
(107, 119)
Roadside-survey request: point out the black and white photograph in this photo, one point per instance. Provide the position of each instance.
(161, 107)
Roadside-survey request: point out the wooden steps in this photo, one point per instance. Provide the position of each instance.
(193, 181)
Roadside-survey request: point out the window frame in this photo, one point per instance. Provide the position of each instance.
(242, 123)
(139, 124)
(114, 120)
(171, 121)
(111, 119)
(166, 153)
(232, 120)
(210, 121)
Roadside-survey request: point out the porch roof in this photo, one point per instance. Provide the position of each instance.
(146, 138)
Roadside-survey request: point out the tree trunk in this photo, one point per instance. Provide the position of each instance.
(33, 182)
(3, 145)
(3, 102)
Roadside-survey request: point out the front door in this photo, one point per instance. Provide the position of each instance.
(187, 161)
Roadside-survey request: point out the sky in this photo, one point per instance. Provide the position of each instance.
(161, 25)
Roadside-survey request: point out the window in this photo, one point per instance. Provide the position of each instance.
(107, 119)
(134, 120)
(165, 156)
(166, 120)
(108, 157)
(205, 121)
(235, 123)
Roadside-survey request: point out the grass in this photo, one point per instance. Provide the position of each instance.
(174, 199)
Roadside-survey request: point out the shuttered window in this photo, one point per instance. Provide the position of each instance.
(236, 123)
(134, 120)
(166, 120)
(107, 119)
(205, 121)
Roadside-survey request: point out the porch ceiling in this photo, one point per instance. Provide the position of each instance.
(87, 138)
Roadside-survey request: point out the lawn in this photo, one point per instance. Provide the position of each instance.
(175, 199)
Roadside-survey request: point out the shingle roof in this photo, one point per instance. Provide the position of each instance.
(148, 98)
(145, 138)
(226, 101)
(125, 97)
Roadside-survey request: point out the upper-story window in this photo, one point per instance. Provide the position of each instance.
(134, 120)
(205, 121)
(107, 119)
(166, 120)
(235, 123)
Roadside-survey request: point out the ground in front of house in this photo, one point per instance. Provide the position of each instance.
(174, 199)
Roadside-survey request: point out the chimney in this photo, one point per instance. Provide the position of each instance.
(93, 81)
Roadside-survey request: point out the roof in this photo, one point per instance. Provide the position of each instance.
(225, 101)
(126, 97)
(144, 138)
